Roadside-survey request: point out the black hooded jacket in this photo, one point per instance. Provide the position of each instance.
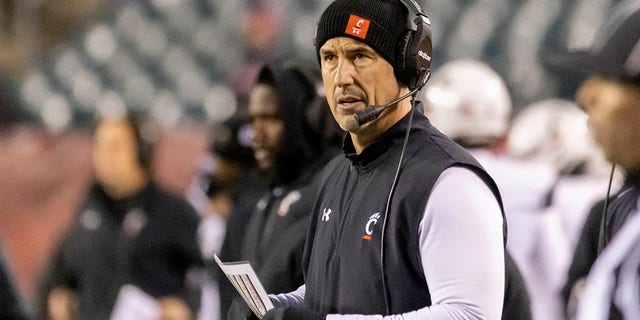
(275, 237)
(148, 240)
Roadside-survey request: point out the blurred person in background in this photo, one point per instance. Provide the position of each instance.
(45, 174)
(129, 232)
(294, 137)
(610, 95)
(554, 131)
(12, 303)
(236, 186)
(263, 37)
(233, 188)
(584, 255)
(469, 102)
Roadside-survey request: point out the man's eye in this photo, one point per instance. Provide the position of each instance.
(329, 57)
(360, 56)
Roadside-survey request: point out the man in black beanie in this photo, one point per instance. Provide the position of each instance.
(406, 223)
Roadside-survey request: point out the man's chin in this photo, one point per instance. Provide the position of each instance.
(349, 124)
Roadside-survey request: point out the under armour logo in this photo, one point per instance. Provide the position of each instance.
(325, 214)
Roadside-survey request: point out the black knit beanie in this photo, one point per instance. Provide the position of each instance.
(378, 23)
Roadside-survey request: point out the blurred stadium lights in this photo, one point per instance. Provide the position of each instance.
(66, 65)
(158, 57)
(56, 112)
(220, 95)
(139, 91)
(35, 90)
(304, 31)
(148, 37)
(86, 88)
(180, 16)
(166, 109)
(110, 103)
(100, 44)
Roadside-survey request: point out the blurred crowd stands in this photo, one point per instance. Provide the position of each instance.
(192, 59)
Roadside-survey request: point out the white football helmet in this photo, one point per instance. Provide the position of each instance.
(467, 99)
(556, 131)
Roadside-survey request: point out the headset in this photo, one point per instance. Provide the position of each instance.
(413, 68)
(414, 50)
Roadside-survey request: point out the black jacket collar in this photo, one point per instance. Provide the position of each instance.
(381, 146)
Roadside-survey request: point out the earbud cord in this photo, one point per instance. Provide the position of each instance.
(386, 210)
(603, 222)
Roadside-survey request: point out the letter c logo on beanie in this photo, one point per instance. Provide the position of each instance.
(357, 26)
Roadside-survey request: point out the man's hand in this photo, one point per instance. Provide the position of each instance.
(293, 314)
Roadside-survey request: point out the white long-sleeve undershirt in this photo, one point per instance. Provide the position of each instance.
(462, 252)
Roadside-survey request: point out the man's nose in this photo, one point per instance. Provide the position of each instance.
(345, 73)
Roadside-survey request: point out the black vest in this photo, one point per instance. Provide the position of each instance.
(343, 256)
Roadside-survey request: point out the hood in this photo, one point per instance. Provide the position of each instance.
(305, 116)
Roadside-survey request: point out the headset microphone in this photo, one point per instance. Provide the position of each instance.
(371, 113)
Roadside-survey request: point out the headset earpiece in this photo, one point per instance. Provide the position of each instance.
(401, 63)
(414, 49)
